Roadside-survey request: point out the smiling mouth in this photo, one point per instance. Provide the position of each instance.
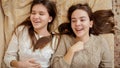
(37, 22)
(78, 29)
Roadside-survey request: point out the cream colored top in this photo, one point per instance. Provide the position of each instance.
(20, 46)
(96, 54)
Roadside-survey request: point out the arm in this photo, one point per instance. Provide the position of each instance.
(14, 63)
(106, 56)
(11, 53)
(74, 48)
(25, 64)
(57, 58)
(64, 54)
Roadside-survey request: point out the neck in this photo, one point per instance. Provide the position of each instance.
(42, 32)
(83, 39)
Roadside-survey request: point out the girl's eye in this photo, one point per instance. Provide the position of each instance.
(82, 20)
(33, 13)
(74, 21)
(41, 13)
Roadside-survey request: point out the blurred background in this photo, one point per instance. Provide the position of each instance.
(13, 12)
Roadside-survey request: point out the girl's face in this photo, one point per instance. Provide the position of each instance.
(80, 23)
(40, 17)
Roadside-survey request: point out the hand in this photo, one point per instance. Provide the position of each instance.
(28, 64)
(77, 46)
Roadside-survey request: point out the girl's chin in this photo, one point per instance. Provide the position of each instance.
(36, 28)
(79, 34)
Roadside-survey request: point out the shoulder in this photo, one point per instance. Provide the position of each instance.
(64, 41)
(67, 37)
(98, 38)
(67, 40)
(62, 37)
(101, 42)
(21, 29)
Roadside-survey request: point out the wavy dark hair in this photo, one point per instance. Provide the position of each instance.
(101, 21)
(84, 7)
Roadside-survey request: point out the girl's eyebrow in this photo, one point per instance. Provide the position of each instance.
(79, 17)
(37, 11)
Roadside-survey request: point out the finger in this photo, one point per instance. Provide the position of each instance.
(35, 65)
(80, 43)
(32, 60)
(38, 66)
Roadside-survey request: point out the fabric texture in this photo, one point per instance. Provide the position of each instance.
(96, 54)
(13, 12)
(20, 46)
(2, 38)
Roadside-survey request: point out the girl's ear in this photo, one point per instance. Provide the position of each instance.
(50, 19)
(91, 24)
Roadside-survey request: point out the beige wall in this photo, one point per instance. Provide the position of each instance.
(16, 11)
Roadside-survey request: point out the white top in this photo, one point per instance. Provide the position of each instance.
(20, 46)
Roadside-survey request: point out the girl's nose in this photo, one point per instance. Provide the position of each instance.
(36, 16)
(78, 23)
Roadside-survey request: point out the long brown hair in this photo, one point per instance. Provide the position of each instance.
(101, 18)
(51, 8)
(103, 22)
(84, 7)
